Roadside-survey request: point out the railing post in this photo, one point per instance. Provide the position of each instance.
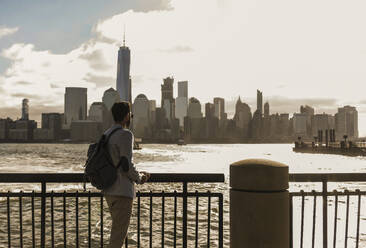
(259, 204)
(43, 215)
(221, 221)
(325, 212)
(184, 214)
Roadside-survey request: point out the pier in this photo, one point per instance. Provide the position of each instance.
(338, 148)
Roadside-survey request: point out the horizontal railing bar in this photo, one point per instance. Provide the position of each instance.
(79, 177)
(175, 177)
(351, 193)
(98, 194)
(330, 177)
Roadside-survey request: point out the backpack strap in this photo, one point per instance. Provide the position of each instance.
(107, 140)
(112, 132)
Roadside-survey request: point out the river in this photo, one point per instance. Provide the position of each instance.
(212, 158)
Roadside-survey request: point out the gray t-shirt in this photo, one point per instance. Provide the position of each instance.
(120, 145)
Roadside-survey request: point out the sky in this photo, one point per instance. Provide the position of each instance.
(297, 52)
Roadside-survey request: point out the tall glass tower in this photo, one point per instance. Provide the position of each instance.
(123, 73)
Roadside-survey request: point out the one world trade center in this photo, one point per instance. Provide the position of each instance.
(123, 73)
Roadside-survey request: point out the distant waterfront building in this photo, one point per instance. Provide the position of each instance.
(141, 115)
(181, 107)
(209, 110)
(110, 97)
(183, 89)
(219, 108)
(181, 102)
(75, 105)
(22, 130)
(309, 112)
(86, 130)
(25, 109)
(266, 110)
(98, 112)
(167, 90)
(346, 123)
(167, 99)
(260, 102)
(123, 83)
(194, 108)
(300, 124)
(242, 117)
(322, 122)
(306, 110)
(284, 125)
(279, 126)
(161, 122)
(152, 109)
(5, 126)
(52, 122)
(266, 121)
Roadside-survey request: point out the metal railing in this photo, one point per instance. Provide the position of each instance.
(64, 212)
(324, 179)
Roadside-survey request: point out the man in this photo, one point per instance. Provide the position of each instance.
(121, 194)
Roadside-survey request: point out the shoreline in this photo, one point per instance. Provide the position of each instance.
(143, 143)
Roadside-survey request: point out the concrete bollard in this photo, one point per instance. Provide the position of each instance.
(259, 204)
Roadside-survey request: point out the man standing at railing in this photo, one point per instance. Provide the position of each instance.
(121, 194)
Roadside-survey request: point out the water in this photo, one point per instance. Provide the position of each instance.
(213, 158)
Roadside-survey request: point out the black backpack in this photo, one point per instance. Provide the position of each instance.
(99, 167)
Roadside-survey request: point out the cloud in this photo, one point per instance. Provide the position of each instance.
(152, 5)
(4, 31)
(54, 86)
(177, 49)
(137, 79)
(100, 81)
(96, 60)
(25, 95)
(43, 74)
(23, 83)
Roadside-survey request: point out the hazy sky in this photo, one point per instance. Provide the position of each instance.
(297, 52)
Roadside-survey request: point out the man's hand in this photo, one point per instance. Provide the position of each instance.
(145, 177)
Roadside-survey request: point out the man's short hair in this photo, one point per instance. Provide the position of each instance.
(120, 110)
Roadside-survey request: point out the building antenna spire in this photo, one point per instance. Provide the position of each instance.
(124, 35)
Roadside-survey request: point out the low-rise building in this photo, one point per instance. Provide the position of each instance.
(86, 131)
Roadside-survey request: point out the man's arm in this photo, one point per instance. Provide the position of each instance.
(133, 174)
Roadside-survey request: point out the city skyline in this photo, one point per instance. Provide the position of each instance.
(221, 56)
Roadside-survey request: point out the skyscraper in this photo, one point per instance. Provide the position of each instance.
(209, 110)
(110, 97)
(219, 107)
(167, 90)
(167, 99)
(266, 110)
(183, 89)
(242, 117)
(181, 102)
(346, 122)
(141, 118)
(260, 102)
(75, 105)
(25, 109)
(123, 73)
(194, 108)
